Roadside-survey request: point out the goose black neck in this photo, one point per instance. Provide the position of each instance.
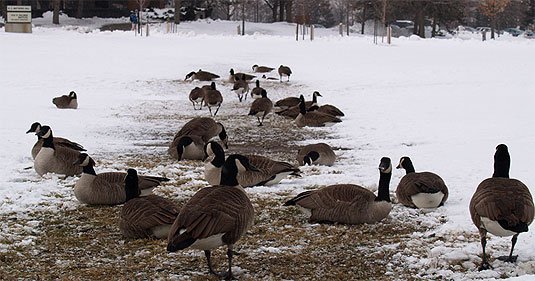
(502, 163)
(88, 169)
(314, 99)
(219, 158)
(49, 142)
(383, 193)
(302, 107)
(229, 175)
(409, 168)
(131, 187)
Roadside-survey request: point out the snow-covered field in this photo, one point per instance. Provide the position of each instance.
(444, 103)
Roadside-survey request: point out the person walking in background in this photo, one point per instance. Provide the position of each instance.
(133, 20)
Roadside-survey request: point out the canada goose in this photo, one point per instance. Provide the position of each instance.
(213, 98)
(66, 101)
(241, 87)
(348, 203)
(215, 216)
(262, 69)
(201, 76)
(256, 92)
(269, 172)
(148, 216)
(242, 76)
(287, 102)
(313, 118)
(187, 147)
(318, 153)
(196, 96)
(106, 188)
(36, 127)
(501, 205)
(420, 190)
(268, 78)
(261, 107)
(204, 127)
(284, 71)
(55, 159)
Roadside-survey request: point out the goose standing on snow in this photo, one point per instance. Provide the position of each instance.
(66, 101)
(256, 92)
(262, 69)
(205, 127)
(55, 158)
(36, 127)
(284, 71)
(196, 96)
(215, 216)
(348, 203)
(316, 154)
(268, 172)
(241, 88)
(261, 107)
(148, 216)
(420, 190)
(201, 76)
(501, 205)
(313, 118)
(106, 188)
(213, 98)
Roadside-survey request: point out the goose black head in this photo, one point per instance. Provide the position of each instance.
(35, 128)
(256, 65)
(131, 184)
(84, 160)
(183, 142)
(385, 166)
(257, 83)
(189, 75)
(72, 94)
(264, 93)
(405, 163)
(317, 94)
(235, 165)
(223, 135)
(231, 71)
(212, 86)
(45, 132)
(311, 157)
(502, 162)
(214, 149)
(302, 107)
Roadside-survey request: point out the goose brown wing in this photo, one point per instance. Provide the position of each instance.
(67, 143)
(424, 182)
(149, 211)
(318, 119)
(200, 126)
(64, 158)
(502, 199)
(61, 101)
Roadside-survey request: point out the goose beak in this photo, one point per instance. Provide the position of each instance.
(29, 131)
(77, 162)
(398, 166)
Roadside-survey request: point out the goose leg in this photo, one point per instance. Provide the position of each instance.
(510, 258)
(210, 108)
(209, 261)
(228, 275)
(217, 110)
(194, 108)
(259, 122)
(484, 264)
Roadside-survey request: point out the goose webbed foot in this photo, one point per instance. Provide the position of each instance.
(510, 259)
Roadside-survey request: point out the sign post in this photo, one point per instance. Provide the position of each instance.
(19, 19)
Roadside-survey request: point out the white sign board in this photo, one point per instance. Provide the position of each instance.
(19, 14)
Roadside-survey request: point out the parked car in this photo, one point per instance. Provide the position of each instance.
(529, 34)
(470, 29)
(513, 31)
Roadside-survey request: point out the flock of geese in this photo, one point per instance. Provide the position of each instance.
(222, 213)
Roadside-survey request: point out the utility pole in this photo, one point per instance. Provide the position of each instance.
(243, 17)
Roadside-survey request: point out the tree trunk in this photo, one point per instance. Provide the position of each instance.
(289, 11)
(433, 32)
(4, 10)
(363, 20)
(243, 17)
(492, 25)
(281, 10)
(347, 18)
(80, 9)
(55, 14)
(177, 11)
(421, 22)
(274, 10)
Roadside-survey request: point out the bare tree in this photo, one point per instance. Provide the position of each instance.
(493, 8)
(80, 9)
(177, 11)
(274, 6)
(55, 14)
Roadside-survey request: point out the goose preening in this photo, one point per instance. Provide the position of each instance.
(147, 216)
(268, 172)
(205, 127)
(201, 76)
(256, 92)
(187, 147)
(262, 69)
(501, 206)
(233, 77)
(316, 154)
(58, 141)
(241, 88)
(215, 216)
(268, 78)
(313, 118)
(213, 98)
(420, 190)
(284, 71)
(287, 102)
(106, 188)
(55, 158)
(66, 101)
(261, 107)
(196, 96)
(290, 106)
(348, 203)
